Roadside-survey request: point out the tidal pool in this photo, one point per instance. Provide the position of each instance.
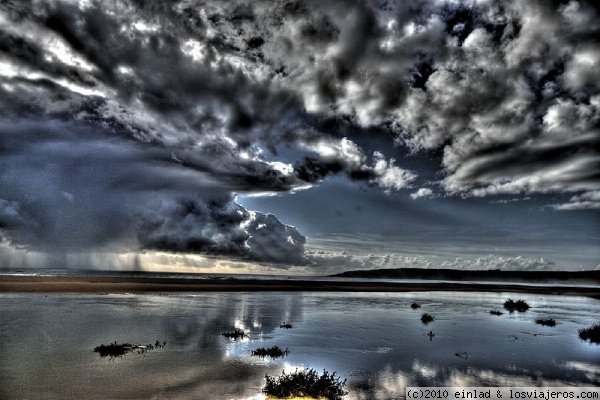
(375, 341)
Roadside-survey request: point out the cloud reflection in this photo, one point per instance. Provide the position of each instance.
(389, 383)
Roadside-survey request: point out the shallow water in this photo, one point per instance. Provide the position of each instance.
(375, 340)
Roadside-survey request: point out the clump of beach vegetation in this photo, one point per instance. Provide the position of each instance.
(519, 305)
(113, 350)
(496, 312)
(426, 318)
(546, 322)
(273, 352)
(118, 350)
(235, 334)
(592, 333)
(305, 383)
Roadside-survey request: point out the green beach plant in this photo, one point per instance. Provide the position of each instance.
(305, 383)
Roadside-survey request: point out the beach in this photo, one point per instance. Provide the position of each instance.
(95, 284)
(375, 340)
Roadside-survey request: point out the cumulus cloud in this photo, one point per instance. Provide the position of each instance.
(422, 192)
(508, 91)
(333, 261)
(134, 125)
(345, 156)
(110, 110)
(584, 201)
(270, 240)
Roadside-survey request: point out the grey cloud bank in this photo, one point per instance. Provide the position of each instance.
(132, 126)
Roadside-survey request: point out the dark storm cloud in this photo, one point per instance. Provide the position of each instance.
(218, 226)
(169, 106)
(70, 187)
(11, 215)
(203, 226)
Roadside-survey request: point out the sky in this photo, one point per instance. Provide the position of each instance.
(299, 137)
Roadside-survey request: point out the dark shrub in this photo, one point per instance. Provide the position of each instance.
(235, 334)
(113, 350)
(519, 305)
(426, 318)
(117, 350)
(546, 322)
(592, 334)
(273, 352)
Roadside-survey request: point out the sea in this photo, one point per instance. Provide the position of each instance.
(376, 342)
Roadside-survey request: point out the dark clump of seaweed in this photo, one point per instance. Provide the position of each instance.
(519, 305)
(273, 352)
(546, 322)
(235, 334)
(496, 312)
(426, 318)
(305, 383)
(592, 333)
(113, 350)
(414, 306)
(286, 325)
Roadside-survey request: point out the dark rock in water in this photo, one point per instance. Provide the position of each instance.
(414, 306)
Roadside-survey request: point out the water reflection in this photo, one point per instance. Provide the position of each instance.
(390, 384)
(590, 371)
(377, 341)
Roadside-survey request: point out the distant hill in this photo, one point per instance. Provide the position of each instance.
(478, 275)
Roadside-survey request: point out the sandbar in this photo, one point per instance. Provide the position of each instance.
(70, 284)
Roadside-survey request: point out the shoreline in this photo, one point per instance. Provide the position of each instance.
(64, 285)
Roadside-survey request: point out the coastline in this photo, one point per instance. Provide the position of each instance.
(70, 284)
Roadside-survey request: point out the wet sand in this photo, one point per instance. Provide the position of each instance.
(61, 284)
